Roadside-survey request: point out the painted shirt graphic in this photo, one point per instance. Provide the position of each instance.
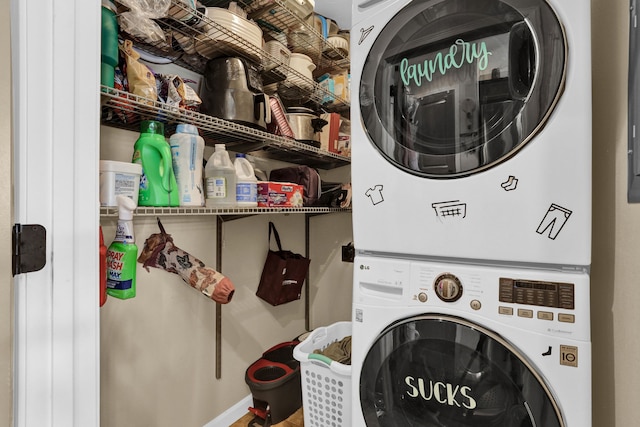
(375, 194)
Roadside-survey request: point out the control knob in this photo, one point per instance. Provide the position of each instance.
(448, 287)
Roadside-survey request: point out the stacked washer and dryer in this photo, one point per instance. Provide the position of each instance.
(471, 170)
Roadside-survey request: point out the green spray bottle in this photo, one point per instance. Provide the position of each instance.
(158, 186)
(123, 253)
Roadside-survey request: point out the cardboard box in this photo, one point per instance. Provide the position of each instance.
(341, 82)
(330, 133)
(279, 194)
(344, 138)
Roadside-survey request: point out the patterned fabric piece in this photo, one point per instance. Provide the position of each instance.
(160, 252)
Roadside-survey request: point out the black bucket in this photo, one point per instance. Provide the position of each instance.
(274, 381)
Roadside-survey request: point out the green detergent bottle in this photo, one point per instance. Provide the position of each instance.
(122, 254)
(158, 186)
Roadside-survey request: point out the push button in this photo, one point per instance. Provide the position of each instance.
(525, 313)
(507, 311)
(545, 315)
(566, 318)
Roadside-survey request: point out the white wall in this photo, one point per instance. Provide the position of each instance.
(616, 227)
(158, 349)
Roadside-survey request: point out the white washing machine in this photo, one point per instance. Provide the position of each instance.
(461, 345)
(471, 129)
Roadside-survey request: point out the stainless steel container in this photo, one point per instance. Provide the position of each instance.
(306, 125)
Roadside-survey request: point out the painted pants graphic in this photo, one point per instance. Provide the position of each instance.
(555, 218)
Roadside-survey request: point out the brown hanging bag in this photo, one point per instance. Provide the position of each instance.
(283, 274)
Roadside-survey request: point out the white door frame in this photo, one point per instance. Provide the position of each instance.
(55, 63)
(6, 221)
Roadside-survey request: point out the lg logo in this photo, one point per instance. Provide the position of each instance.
(364, 267)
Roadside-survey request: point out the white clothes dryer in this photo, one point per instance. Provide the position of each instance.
(471, 129)
(464, 345)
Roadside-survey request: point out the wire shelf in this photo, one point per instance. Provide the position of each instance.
(112, 211)
(126, 110)
(190, 44)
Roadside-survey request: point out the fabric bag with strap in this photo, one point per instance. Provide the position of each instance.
(283, 274)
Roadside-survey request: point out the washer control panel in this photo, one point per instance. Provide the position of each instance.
(537, 293)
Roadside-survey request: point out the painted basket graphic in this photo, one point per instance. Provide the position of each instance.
(451, 209)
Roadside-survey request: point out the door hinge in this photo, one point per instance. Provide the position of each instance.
(29, 248)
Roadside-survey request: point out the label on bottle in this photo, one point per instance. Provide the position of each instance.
(216, 187)
(115, 271)
(125, 184)
(246, 192)
(124, 233)
(143, 192)
(121, 285)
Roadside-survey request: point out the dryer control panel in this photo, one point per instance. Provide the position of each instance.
(537, 293)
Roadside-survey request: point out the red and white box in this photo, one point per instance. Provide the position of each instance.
(279, 194)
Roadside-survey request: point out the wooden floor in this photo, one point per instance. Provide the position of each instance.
(295, 420)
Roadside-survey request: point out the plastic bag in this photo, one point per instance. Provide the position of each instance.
(138, 21)
(122, 107)
(141, 27)
(141, 80)
(153, 9)
(303, 175)
(175, 92)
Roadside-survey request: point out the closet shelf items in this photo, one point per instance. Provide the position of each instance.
(201, 211)
(190, 37)
(126, 110)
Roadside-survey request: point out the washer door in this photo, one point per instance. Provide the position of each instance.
(435, 370)
(453, 87)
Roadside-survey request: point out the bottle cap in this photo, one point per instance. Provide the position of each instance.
(109, 4)
(187, 128)
(126, 206)
(241, 155)
(220, 147)
(152, 126)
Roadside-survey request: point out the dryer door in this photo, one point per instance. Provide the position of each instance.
(453, 87)
(435, 370)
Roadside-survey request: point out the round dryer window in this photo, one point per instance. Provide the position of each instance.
(433, 371)
(453, 87)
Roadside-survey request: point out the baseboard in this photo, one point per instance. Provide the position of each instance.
(232, 414)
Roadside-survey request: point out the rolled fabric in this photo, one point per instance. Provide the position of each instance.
(340, 351)
(160, 252)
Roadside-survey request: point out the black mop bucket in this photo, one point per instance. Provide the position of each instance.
(274, 381)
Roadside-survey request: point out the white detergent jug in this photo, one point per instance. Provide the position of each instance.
(187, 149)
(246, 183)
(220, 179)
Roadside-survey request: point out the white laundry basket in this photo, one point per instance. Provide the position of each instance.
(326, 384)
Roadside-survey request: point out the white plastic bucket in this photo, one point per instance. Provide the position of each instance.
(118, 178)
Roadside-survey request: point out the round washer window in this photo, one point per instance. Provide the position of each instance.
(433, 371)
(453, 87)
